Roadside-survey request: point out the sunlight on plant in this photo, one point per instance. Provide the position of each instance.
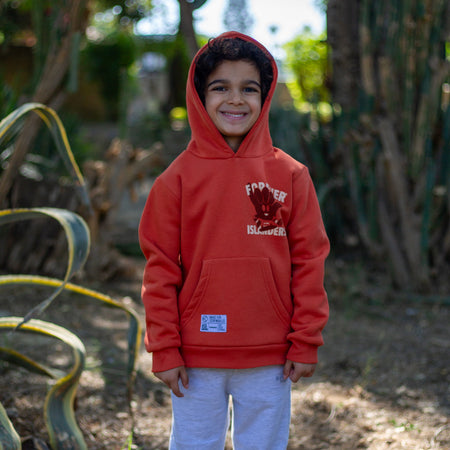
(403, 426)
(307, 61)
(129, 444)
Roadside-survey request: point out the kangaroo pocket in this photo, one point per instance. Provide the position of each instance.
(236, 303)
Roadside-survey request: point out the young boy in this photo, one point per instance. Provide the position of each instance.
(235, 247)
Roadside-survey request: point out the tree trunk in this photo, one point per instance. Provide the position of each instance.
(343, 37)
(186, 28)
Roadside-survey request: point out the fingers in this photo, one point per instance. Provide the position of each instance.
(175, 385)
(175, 388)
(308, 370)
(184, 377)
(295, 370)
(170, 378)
(288, 367)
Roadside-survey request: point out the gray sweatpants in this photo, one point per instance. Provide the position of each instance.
(261, 410)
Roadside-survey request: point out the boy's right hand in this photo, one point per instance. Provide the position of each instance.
(170, 378)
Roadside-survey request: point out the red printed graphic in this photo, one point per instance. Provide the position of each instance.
(266, 208)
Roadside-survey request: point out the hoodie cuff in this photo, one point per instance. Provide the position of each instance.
(166, 359)
(303, 353)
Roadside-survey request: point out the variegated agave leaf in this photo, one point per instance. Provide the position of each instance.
(9, 439)
(10, 125)
(135, 327)
(59, 403)
(78, 243)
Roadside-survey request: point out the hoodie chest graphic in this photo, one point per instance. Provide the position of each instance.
(267, 203)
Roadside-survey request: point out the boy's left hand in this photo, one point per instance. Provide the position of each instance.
(296, 370)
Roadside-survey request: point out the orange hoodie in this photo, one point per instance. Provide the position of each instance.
(235, 249)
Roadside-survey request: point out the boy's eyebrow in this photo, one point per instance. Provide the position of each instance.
(222, 80)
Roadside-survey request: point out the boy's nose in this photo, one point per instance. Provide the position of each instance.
(235, 97)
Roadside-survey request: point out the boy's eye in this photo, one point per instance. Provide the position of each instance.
(250, 89)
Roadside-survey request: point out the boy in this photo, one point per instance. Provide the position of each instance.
(235, 247)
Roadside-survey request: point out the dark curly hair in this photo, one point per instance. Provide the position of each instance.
(232, 49)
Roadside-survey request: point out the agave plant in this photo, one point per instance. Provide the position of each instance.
(63, 430)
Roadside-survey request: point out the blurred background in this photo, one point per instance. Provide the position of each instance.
(362, 100)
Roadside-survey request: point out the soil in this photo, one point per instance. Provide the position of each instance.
(382, 381)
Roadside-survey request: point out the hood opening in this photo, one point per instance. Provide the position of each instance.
(206, 140)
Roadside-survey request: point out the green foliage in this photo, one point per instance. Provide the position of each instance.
(39, 24)
(306, 59)
(286, 126)
(8, 98)
(305, 131)
(12, 124)
(178, 71)
(41, 158)
(105, 61)
(394, 141)
(307, 137)
(148, 127)
(14, 17)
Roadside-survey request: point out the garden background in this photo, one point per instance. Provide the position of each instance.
(92, 111)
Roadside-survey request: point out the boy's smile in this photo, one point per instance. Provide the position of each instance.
(233, 99)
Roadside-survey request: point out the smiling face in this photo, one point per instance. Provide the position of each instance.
(233, 99)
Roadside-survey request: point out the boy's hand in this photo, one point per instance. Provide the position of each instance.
(296, 370)
(170, 378)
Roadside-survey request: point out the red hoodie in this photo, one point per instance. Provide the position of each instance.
(235, 249)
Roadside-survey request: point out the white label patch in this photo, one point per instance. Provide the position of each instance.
(214, 323)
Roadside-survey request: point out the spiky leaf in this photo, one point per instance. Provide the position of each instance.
(58, 410)
(78, 242)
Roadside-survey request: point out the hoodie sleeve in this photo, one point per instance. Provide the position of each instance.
(309, 246)
(159, 238)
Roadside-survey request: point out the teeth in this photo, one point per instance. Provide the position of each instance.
(234, 114)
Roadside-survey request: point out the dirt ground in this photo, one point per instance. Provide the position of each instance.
(382, 381)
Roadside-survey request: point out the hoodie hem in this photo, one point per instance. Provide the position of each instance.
(234, 357)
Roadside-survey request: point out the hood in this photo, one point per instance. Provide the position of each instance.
(206, 141)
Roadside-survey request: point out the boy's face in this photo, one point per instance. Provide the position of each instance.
(233, 99)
